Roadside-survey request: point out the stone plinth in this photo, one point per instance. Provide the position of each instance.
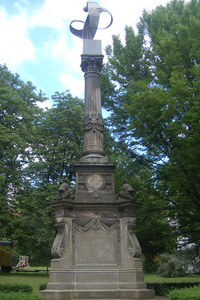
(96, 253)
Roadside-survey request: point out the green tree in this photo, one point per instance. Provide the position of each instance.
(153, 97)
(57, 146)
(59, 140)
(19, 116)
(153, 229)
(37, 150)
(34, 224)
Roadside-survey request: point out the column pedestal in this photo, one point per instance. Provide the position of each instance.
(96, 253)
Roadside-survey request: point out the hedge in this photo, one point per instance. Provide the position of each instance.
(42, 286)
(162, 289)
(9, 288)
(192, 293)
(19, 296)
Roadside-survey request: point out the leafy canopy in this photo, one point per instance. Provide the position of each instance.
(152, 93)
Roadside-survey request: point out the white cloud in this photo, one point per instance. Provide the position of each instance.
(62, 52)
(15, 45)
(53, 13)
(76, 86)
(44, 105)
(65, 50)
(125, 13)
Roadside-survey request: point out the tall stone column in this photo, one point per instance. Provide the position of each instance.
(93, 122)
(94, 173)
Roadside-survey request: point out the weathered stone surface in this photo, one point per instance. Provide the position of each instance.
(137, 294)
(93, 123)
(102, 253)
(94, 182)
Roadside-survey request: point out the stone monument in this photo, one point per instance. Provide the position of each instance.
(95, 252)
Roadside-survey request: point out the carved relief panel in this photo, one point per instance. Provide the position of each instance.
(96, 242)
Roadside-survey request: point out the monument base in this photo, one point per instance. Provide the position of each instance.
(96, 253)
(141, 294)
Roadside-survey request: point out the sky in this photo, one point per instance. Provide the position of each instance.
(36, 43)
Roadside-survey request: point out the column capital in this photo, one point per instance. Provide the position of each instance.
(91, 63)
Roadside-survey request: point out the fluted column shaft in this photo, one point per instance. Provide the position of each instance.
(93, 122)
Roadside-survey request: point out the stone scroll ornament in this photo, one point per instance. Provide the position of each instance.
(59, 246)
(133, 246)
(92, 21)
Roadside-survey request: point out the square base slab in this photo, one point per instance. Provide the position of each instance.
(98, 294)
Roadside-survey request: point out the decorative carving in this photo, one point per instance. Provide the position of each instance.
(91, 63)
(96, 197)
(94, 182)
(96, 223)
(93, 122)
(109, 213)
(64, 191)
(59, 246)
(127, 191)
(133, 246)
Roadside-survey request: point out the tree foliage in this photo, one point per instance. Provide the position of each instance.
(154, 101)
(37, 149)
(59, 140)
(19, 117)
(58, 145)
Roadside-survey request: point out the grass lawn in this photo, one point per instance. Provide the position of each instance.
(32, 279)
(35, 279)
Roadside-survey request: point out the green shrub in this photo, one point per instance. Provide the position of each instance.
(192, 293)
(8, 288)
(150, 267)
(162, 289)
(19, 296)
(178, 263)
(42, 286)
(171, 266)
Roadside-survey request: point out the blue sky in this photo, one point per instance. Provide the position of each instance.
(37, 44)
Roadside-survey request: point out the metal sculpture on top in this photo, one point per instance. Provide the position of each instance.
(92, 21)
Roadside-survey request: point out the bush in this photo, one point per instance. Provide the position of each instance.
(8, 288)
(150, 267)
(179, 263)
(42, 286)
(162, 289)
(171, 266)
(19, 296)
(192, 293)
